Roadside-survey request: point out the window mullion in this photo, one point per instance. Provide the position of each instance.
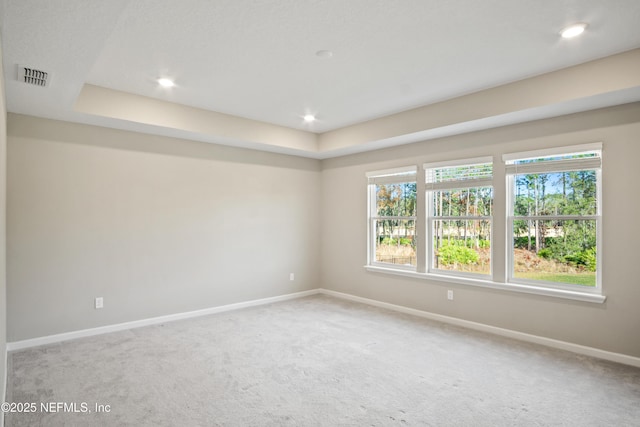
(464, 218)
(407, 218)
(555, 217)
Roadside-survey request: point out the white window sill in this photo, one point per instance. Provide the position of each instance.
(511, 287)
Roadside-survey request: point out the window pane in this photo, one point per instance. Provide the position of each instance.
(462, 245)
(395, 241)
(396, 199)
(558, 193)
(463, 202)
(555, 251)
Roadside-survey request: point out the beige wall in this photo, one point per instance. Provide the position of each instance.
(159, 226)
(3, 233)
(153, 225)
(612, 326)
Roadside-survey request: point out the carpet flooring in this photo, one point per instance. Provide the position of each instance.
(315, 361)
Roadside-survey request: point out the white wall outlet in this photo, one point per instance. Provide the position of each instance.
(450, 295)
(99, 303)
(291, 276)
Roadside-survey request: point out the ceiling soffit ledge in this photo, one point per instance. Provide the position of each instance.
(596, 84)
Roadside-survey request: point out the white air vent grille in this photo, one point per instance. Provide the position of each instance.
(32, 76)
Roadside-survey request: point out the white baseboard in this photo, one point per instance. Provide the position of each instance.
(4, 381)
(574, 348)
(50, 339)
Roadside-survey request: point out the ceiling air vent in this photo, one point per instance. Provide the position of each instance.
(32, 76)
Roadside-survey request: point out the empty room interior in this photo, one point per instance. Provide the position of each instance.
(319, 213)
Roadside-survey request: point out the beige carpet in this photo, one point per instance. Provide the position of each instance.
(316, 361)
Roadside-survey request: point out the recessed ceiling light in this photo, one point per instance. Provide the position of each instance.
(324, 54)
(573, 30)
(309, 118)
(164, 82)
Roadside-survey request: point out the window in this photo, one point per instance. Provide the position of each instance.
(459, 199)
(442, 227)
(392, 217)
(554, 217)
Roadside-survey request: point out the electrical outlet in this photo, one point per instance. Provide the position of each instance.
(450, 295)
(291, 276)
(99, 303)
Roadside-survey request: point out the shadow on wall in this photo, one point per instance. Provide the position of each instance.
(19, 126)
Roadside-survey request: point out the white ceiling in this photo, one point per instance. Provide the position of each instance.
(256, 59)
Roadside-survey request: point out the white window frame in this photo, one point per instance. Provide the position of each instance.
(386, 176)
(501, 250)
(431, 187)
(589, 163)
